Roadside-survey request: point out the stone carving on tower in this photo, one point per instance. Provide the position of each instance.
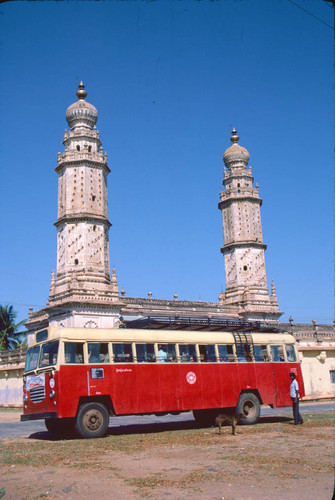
(82, 223)
(243, 249)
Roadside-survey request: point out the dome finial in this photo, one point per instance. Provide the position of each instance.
(234, 138)
(81, 93)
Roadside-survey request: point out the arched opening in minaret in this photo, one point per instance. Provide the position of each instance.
(89, 149)
(76, 261)
(78, 148)
(245, 268)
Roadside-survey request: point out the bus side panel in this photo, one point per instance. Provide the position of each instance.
(281, 374)
(73, 383)
(169, 387)
(191, 386)
(247, 376)
(210, 385)
(230, 385)
(124, 394)
(265, 383)
(148, 389)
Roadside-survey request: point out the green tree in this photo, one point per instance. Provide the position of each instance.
(10, 338)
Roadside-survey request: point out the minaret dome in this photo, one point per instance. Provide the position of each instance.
(81, 113)
(236, 155)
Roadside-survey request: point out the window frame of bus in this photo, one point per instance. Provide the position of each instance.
(268, 359)
(294, 350)
(232, 360)
(146, 352)
(174, 360)
(207, 360)
(187, 344)
(132, 348)
(283, 352)
(98, 362)
(84, 351)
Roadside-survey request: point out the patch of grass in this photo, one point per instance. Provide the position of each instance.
(10, 410)
(78, 453)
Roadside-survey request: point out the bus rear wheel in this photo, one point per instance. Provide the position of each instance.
(248, 405)
(92, 420)
(60, 427)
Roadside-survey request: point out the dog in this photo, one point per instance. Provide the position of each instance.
(224, 418)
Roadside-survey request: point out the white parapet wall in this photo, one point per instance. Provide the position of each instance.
(11, 377)
(318, 369)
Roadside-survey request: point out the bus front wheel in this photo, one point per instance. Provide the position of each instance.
(248, 405)
(92, 420)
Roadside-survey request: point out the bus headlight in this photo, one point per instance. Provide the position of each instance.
(52, 394)
(25, 398)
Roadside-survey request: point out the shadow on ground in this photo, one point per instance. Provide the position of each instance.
(150, 428)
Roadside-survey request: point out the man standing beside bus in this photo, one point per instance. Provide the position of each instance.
(294, 393)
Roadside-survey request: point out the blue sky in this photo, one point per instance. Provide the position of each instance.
(170, 80)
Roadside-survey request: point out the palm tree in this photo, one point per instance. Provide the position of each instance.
(10, 338)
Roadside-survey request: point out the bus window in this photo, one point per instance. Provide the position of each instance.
(145, 353)
(277, 353)
(98, 353)
(260, 353)
(290, 353)
(207, 353)
(74, 352)
(123, 353)
(49, 353)
(32, 358)
(226, 353)
(188, 353)
(167, 353)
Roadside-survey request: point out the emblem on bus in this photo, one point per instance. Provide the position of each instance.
(191, 377)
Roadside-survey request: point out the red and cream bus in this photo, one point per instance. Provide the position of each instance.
(76, 378)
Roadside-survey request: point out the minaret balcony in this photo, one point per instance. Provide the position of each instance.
(74, 156)
(239, 195)
(250, 243)
(237, 172)
(81, 132)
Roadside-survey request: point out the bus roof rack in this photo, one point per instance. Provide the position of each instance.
(191, 323)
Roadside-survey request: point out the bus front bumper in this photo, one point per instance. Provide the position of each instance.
(39, 416)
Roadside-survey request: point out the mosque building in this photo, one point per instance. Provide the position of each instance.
(83, 293)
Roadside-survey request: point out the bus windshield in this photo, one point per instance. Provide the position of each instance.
(32, 358)
(48, 356)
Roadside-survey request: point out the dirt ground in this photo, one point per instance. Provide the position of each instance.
(273, 459)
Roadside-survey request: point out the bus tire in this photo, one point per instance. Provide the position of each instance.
(248, 405)
(60, 427)
(92, 420)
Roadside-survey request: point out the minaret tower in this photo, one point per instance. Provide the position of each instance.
(243, 249)
(82, 223)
